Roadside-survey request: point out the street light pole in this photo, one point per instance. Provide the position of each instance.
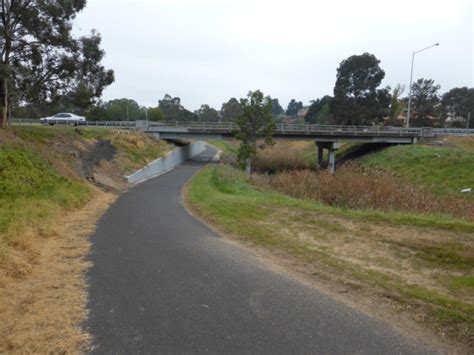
(411, 80)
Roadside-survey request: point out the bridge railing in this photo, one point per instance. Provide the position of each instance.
(453, 131)
(280, 128)
(283, 128)
(112, 124)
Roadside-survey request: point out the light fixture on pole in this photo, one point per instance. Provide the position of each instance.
(411, 80)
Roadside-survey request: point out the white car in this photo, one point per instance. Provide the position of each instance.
(64, 118)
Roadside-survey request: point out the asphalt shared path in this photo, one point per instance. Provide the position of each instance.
(162, 282)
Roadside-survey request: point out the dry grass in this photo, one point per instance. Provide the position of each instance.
(47, 212)
(465, 143)
(417, 271)
(285, 155)
(137, 149)
(358, 188)
(42, 310)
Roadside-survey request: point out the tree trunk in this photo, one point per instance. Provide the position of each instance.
(3, 103)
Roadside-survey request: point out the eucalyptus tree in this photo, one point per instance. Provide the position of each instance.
(40, 60)
(293, 107)
(230, 110)
(319, 109)
(459, 102)
(425, 101)
(207, 114)
(357, 97)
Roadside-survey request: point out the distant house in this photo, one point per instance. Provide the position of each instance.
(399, 121)
(453, 120)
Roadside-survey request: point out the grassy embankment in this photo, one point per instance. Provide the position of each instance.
(55, 182)
(445, 170)
(422, 262)
(39, 175)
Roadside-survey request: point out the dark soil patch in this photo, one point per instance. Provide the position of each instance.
(102, 150)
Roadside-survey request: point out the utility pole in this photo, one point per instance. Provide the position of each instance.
(411, 80)
(468, 119)
(128, 113)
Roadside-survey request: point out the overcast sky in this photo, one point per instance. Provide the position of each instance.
(206, 51)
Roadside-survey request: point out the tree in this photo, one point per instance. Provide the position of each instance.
(155, 114)
(231, 110)
(425, 100)
(324, 115)
(293, 107)
(96, 112)
(173, 110)
(256, 120)
(123, 110)
(40, 60)
(277, 110)
(357, 99)
(207, 114)
(458, 102)
(396, 104)
(315, 108)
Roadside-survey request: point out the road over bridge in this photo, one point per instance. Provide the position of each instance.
(326, 136)
(320, 133)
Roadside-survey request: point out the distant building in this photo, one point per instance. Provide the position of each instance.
(453, 120)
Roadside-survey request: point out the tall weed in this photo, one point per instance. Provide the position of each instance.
(358, 188)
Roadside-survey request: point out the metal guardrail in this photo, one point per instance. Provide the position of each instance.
(111, 124)
(454, 131)
(298, 129)
(280, 128)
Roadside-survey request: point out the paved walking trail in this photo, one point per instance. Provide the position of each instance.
(162, 282)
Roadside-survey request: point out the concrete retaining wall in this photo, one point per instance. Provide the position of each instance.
(171, 160)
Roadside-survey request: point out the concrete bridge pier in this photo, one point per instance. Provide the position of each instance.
(331, 147)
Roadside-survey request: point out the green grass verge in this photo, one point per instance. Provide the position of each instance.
(31, 191)
(224, 197)
(444, 170)
(240, 190)
(43, 134)
(225, 146)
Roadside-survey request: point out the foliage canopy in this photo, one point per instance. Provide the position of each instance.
(357, 99)
(40, 59)
(256, 121)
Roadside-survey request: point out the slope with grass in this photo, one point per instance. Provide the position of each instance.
(445, 169)
(43, 170)
(52, 178)
(412, 253)
(422, 264)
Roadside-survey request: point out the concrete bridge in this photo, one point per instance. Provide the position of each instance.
(325, 137)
